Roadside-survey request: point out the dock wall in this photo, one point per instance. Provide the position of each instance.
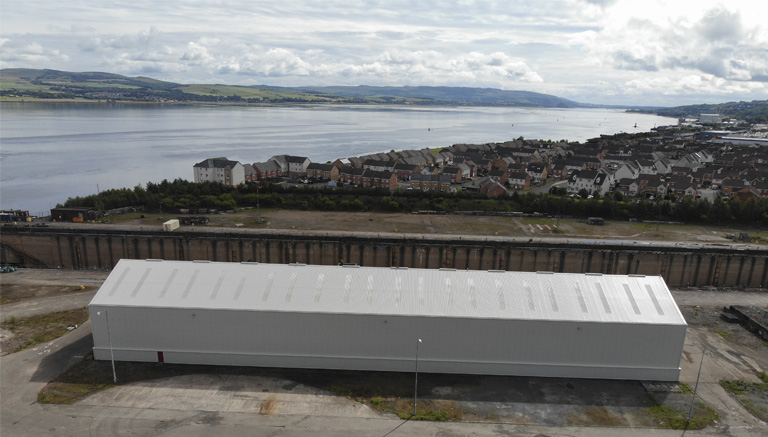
(680, 264)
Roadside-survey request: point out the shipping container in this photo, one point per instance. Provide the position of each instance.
(171, 225)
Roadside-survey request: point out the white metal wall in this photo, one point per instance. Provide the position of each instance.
(387, 343)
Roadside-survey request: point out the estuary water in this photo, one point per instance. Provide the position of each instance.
(52, 151)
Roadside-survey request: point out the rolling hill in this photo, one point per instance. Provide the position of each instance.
(53, 84)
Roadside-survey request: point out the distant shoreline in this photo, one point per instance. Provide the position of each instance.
(176, 103)
(286, 104)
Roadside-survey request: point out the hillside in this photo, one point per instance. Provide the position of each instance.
(755, 111)
(53, 84)
(453, 95)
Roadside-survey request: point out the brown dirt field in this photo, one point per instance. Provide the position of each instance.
(452, 224)
(32, 284)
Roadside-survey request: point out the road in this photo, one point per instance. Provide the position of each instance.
(546, 188)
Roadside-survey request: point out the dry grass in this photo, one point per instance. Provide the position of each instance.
(268, 406)
(597, 416)
(34, 330)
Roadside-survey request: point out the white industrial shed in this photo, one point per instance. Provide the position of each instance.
(363, 318)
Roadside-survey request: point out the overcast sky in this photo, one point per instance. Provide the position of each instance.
(596, 51)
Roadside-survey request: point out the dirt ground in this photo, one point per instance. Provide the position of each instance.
(453, 224)
(731, 353)
(29, 285)
(34, 284)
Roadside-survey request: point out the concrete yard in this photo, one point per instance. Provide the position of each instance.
(257, 402)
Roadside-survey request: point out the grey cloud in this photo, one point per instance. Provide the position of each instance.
(625, 60)
(601, 3)
(389, 34)
(720, 25)
(716, 44)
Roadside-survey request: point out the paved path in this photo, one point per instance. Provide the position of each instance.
(46, 305)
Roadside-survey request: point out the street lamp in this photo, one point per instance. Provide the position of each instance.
(258, 206)
(111, 353)
(696, 388)
(416, 384)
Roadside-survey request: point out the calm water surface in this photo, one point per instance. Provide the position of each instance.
(52, 151)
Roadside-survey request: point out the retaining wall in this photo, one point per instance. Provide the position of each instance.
(99, 247)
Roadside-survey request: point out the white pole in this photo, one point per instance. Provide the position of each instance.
(111, 352)
(416, 383)
(696, 388)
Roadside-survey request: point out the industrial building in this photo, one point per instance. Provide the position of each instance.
(365, 318)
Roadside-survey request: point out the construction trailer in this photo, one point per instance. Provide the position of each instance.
(364, 318)
(171, 225)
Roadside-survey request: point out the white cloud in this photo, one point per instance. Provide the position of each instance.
(14, 51)
(718, 42)
(196, 54)
(587, 50)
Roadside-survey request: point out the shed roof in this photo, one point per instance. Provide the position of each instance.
(632, 299)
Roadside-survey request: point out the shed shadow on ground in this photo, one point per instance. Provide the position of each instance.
(54, 363)
(364, 384)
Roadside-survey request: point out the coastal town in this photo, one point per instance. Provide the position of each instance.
(706, 156)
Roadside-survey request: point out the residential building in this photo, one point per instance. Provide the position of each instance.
(292, 165)
(267, 170)
(323, 171)
(220, 170)
(590, 180)
(519, 180)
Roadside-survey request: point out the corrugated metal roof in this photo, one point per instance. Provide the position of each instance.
(390, 291)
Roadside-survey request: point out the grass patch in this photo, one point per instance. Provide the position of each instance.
(31, 331)
(673, 418)
(740, 387)
(685, 388)
(130, 216)
(67, 393)
(726, 335)
(752, 395)
(427, 409)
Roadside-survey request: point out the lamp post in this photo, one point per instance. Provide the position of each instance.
(109, 339)
(258, 205)
(696, 388)
(416, 383)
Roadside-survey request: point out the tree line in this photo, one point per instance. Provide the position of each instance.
(170, 196)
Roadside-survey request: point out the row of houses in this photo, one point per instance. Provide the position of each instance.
(680, 164)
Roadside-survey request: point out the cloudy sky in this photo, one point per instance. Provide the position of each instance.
(644, 52)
